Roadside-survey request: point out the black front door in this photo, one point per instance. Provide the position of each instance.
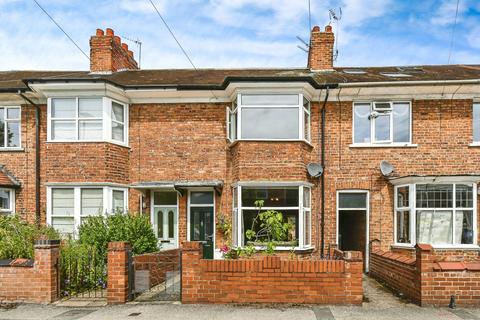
(201, 228)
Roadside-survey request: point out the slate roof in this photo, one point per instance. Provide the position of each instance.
(7, 179)
(187, 79)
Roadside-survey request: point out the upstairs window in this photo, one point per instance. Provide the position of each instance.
(269, 117)
(10, 127)
(476, 123)
(87, 119)
(382, 123)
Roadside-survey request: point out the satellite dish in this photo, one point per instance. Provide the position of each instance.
(315, 170)
(386, 168)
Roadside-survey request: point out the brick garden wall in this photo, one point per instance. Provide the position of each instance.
(432, 277)
(158, 264)
(23, 280)
(270, 280)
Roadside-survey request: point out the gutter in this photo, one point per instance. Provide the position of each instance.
(185, 87)
(37, 157)
(407, 83)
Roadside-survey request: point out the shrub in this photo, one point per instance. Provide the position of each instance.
(17, 237)
(98, 231)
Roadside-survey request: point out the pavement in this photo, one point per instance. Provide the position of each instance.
(379, 304)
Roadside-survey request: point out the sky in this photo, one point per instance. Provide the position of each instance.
(241, 33)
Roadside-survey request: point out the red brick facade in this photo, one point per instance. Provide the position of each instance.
(269, 280)
(39, 283)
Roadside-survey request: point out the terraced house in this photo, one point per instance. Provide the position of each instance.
(397, 152)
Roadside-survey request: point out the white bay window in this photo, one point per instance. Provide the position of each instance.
(269, 117)
(87, 119)
(294, 202)
(440, 214)
(382, 123)
(68, 206)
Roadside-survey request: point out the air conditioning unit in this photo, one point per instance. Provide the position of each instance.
(382, 106)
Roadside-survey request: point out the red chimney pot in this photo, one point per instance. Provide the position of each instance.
(125, 46)
(328, 28)
(110, 32)
(117, 40)
(316, 29)
(100, 32)
(130, 53)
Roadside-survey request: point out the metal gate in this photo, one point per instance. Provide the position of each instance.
(161, 279)
(83, 274)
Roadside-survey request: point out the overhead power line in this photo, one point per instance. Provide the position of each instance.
(178, 42)
(452, 40)
(64, 32)
(173, 35)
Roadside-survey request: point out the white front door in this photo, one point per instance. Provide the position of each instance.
(165, 219)
(165, 224)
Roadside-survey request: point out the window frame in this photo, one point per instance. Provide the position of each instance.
(106, 120)
(77, 198)
(413, 214)
(476, 104)
(19, 120)
(367, 218)
(237, 108)
(11, 209)
(382, 143)
(238, 210)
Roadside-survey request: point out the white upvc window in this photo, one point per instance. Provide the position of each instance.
(87, 119)
(382, 123)
(294, 202)
(269, 117)
(7, 201)
(10, 127)
(440, 214)
(68, 206)
(476, 123)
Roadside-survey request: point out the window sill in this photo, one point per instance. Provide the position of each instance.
(232, 144)
(390, 145)
(474, 144)
(12, 149)
(296, 249)
(89, 141)
(440, 247)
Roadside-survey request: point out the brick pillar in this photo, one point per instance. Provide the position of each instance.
(354, 274)
(117, 283)
(192, 252)
(424, 260)
(47, 254)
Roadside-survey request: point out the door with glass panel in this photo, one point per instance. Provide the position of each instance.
(352, 222)
(202, 220)
(165, 218)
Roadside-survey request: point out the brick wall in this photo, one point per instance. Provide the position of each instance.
(158, 264)
(270, 280)
(36, 281)
(397, 271)
(431, 278)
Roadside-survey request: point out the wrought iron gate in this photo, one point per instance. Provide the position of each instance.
(83, 275)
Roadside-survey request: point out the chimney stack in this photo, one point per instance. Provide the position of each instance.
(320, 54)
(108, 53)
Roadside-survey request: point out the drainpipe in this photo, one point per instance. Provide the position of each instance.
(37, 157)
(322, 177)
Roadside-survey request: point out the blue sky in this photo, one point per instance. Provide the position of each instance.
(240, 33)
